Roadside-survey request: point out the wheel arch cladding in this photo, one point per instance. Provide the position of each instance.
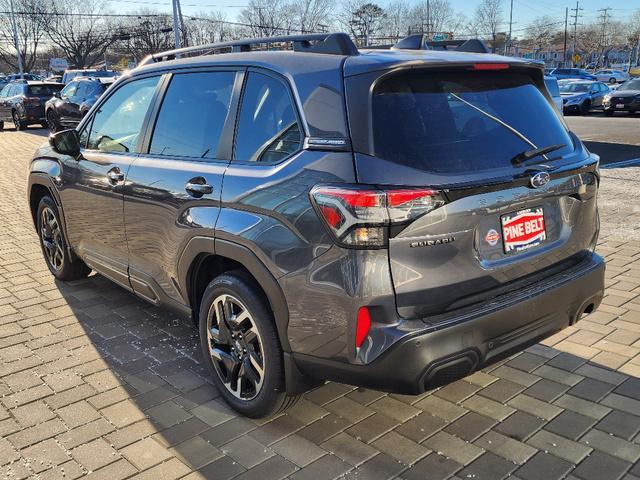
(227, 257)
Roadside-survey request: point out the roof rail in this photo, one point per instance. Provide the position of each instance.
(331, 43)
(419, 42)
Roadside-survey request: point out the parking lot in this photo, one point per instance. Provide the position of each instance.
(95, 380)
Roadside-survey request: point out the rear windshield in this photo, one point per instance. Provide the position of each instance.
(454, 122)
(44, 89)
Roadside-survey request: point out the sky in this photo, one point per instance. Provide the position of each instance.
(523, 10)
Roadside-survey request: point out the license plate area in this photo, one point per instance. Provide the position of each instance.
(619, 105)
(523, 230)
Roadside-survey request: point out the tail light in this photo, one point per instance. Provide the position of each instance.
(490, 66)
(363, 325)
(361, 216)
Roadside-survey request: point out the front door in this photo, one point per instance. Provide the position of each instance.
(92, 185)
(173, 189)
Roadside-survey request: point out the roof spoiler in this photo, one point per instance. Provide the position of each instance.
(329, 43)
(419, 41)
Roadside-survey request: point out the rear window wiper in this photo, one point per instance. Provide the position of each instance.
(522, 157)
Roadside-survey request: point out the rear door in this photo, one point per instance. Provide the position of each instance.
(173, 189)
(460, 132)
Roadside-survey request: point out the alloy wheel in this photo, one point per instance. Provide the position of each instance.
(235, 347)
(16, 121)
(51, 237)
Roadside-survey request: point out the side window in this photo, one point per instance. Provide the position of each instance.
(193, 114)
(268, 129)
(5, 91)
(69, 90)
(81, 92)
(116, 125)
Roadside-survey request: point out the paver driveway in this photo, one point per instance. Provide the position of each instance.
(94, 380)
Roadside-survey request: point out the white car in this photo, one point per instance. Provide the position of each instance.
(611, 76)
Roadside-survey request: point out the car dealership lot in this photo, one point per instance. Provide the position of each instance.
(93, 379)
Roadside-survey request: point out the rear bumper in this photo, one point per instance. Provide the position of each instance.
(436, 355)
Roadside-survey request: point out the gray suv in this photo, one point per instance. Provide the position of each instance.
(394, 219)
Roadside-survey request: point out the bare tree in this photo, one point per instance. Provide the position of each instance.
(397, 21)
(29, 25)
(76, 27)
(488, 16)
(434, 16)
(362, 19)
(311, 15)
(265, 18)
(541, 32)
(149, 33)
(208, 27)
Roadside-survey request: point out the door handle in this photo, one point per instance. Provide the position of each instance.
(115, 176)
(198, 188)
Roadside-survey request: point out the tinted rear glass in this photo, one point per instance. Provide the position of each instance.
(453, 122)
(574, 87)
(44, 89)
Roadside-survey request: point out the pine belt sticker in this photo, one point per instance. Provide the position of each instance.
(523, 230)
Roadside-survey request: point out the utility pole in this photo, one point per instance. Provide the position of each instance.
(176, 24)
(507, 44)
(16, 42)
(576, 13)
(605, 20)
(566, 24)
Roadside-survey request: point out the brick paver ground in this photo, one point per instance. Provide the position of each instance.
(93, 380)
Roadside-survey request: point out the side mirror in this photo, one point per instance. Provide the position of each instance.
(66, 142)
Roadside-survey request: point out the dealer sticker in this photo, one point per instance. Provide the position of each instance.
(523, 230)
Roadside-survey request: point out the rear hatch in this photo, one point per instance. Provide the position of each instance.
(508, 217)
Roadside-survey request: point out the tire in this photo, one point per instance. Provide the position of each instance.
(613, 80)
(242, 349)
(54, 244)
(19, 124)
(584, 108)
(52, 123)
(1, 126)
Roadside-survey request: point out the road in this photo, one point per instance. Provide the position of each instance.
(93, 379)
(615, 139)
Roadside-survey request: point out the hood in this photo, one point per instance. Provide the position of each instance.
(625, 93)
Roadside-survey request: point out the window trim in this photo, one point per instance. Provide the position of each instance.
(223, 154)
(296, 111)
(87, 121)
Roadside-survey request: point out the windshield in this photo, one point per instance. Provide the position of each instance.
(630, 85)
(450, 122)
(574, 88)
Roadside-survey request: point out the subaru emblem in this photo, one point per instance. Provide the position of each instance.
(540, 179)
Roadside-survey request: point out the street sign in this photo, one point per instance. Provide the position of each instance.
(58, 64)
(576, 58)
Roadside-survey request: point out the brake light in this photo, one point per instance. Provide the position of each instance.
(490, 66)
(363, 325)
(360, 216)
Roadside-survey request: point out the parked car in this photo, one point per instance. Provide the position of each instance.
(54, 79)
(576, 73)
(268, 195)
(552, 86)
(22, 102)
(66, 108)
(583, 96)
(626, 98)
(71, 74)
(611, 76)
(24, 76)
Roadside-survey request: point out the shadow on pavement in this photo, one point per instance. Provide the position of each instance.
(613, 152)
(156, 386)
